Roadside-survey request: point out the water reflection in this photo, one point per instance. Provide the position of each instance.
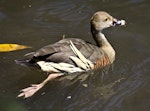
(38, 23)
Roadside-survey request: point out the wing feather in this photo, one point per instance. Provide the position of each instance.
(61, 51)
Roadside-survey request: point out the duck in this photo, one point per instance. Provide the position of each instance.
(71, 55)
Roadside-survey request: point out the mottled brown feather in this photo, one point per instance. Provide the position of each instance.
(102, 62)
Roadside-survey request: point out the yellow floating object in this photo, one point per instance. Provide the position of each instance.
(11, 47)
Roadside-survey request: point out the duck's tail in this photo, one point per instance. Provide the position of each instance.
(26, 62)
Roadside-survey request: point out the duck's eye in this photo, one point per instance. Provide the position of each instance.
(106, 19)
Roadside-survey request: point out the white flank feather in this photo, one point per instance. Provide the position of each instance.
(58, 67)
(87, 63)
(79, 63)
(45, 66)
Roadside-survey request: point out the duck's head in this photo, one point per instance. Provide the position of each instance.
(101, 20)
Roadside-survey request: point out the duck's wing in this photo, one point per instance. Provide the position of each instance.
(61, 51)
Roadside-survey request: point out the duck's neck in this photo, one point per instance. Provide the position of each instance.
(103, 43)
(99, 37)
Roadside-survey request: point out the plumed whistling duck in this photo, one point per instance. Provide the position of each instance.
(73, 55)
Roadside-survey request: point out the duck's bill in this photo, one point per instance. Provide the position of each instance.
(119, 23)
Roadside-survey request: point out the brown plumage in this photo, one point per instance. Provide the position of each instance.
(72, 54)
(102, 62)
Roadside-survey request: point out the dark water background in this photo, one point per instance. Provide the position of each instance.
(39, 23)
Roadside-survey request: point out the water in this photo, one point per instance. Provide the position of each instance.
(39, 23)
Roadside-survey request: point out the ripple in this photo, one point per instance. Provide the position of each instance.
(2, 16)
(132, 84)
(70, 13)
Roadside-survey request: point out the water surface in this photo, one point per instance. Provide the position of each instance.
(39, 23)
